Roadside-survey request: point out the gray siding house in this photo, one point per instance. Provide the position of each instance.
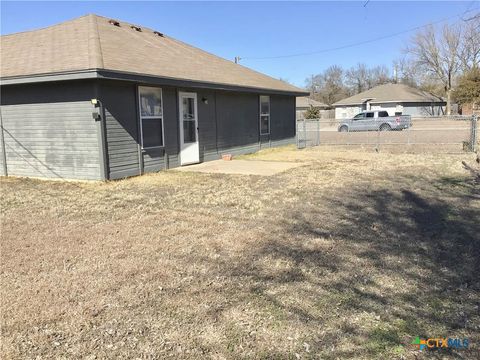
(95, 98)
(394, 98)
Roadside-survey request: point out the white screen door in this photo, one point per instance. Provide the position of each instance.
(189, 147)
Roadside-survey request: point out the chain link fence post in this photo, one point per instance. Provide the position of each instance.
(474, 133)
(301, 134)
(408, 133)
(296, 132)
(305, 132)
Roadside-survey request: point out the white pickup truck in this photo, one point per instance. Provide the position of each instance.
(374, 120)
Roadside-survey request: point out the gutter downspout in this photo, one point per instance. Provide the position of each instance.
(141, 166)
(216, 123)
(102, 137)
(103, 146)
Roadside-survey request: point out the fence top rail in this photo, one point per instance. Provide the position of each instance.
(414, 119)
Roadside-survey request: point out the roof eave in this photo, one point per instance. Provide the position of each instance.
(144, 78)
(59, 76)
(128, 76)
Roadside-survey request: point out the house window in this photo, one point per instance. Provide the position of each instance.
(264, 115)
(151, 117)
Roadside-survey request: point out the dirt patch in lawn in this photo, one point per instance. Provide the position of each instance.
(352, 255)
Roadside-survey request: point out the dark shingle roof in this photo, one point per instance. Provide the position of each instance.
(91, 42)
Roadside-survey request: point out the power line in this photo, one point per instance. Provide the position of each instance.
(357, 43)
(466, 11)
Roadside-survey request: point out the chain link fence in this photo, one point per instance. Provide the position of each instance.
(449, 133)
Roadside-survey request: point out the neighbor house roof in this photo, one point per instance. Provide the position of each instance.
(96, 42)
(391, 93)
(306, 102)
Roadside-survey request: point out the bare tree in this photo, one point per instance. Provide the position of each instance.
(335, 84)
(379, 75)
(328, 86)
(409, 73)
(360, 78)
(356, 78)
(469, 54)
(406, 72)
(437, 53)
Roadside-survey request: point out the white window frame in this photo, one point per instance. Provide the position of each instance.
(150, 118)
(260, 111)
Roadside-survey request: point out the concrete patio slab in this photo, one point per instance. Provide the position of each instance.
(241, 167)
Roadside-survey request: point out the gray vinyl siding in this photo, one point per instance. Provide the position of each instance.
(125, 156)
(228, 122)
(69, 91)
(52, 140)
(235, 116)
(237, 119)
(50, 131)
(154, 160)
(121, 129)
(283, 142)
(250, 148)
(207, 124)
(282, 117)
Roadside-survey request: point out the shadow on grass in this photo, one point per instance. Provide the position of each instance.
(424, 239)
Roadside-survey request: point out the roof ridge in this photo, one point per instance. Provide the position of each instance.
(48, 26)
(190, 46)
(95, 54)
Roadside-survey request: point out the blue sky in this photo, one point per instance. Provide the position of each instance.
(261, 29)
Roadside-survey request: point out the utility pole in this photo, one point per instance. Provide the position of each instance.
(313, 86)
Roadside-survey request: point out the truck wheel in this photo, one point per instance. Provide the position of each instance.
(385, 127)
(343, 129)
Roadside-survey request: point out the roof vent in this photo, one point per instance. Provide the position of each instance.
(114, 22)
(158, 34)
(136, 28)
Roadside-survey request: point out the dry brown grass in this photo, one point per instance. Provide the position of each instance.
(350, 256)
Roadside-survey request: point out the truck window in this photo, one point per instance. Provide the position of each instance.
(382, 114)
(370, 114)
(358, 116)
